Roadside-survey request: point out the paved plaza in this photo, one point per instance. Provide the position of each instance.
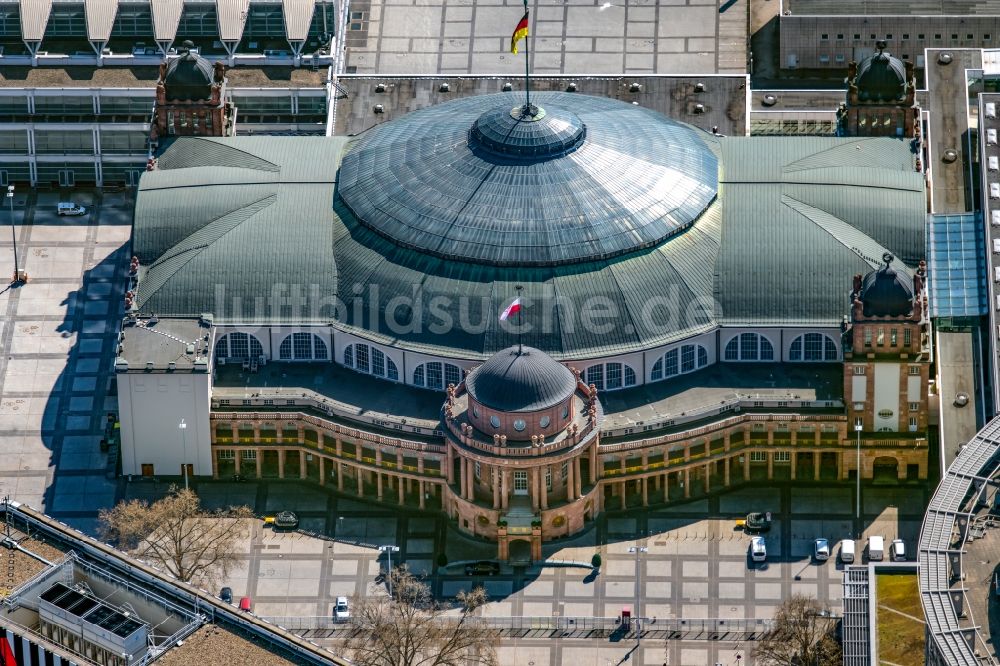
(696, 565)
(57, 336)
(455, 37)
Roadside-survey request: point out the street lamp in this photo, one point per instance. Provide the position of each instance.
(13, 229)
(389, 550)
(638, 585)
(183, 428)
(857, 429)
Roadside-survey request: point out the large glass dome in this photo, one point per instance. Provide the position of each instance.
(478, 180)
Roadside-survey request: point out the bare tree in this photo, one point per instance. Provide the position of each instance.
(803, 633)
(410, 629)
(175, 533)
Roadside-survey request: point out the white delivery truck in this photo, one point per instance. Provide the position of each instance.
(847, 551)
(876, 548)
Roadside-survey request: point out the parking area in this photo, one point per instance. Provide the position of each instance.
(57, 333)
(455, 37)
(695, 565)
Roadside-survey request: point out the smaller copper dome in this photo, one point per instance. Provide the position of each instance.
(881, 78)
(520, 380)
(886, 292)
(189, 76)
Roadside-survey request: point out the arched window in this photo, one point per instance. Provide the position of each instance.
(437, 375)
(813, 347)
(239, 346)
(610, 376)
(302, 347)
(678, 361)
(749, 347)
(370, 360)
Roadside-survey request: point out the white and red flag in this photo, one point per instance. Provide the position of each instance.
(513, 308)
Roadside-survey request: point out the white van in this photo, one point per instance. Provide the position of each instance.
(994, 190)
(991, 110)
(991, 137)
(996, 246)
(995, 218)
(897, 551)
(996, 274)
(876, 548)
(993, 162)
(847, 551)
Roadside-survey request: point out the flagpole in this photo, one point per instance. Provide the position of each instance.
(527, 74)
(519, 288)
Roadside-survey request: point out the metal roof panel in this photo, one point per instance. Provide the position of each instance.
(100, 17)
(166, 18)
(232, 17)
(34, 18)
(298, 17)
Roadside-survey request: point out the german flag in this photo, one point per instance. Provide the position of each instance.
(520, 32)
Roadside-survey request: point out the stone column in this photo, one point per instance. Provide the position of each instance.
(746, 465)
(281, 463)
(420, 464)
(495, 478)
(817, 461)
(238, 455)
(378, 485)
(236, 434)
(340, 446)
(447, 464)
(534, 485)
(542, 488)
(770, 465)
(421, 488)
(340, 476)
(504, 489)
(621, 490)
(260, 463)
(570, 481)
(725, 472)
(215, 463)
(576, 477)
(708, 478)
(595, 472)
(795, 463)
(302, 464)
(645, 488)
(794, 435)
(399, 489)
(322, 471)
(359, 474)
(666, 486)
(687, 482)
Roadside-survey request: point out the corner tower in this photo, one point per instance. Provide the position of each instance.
(887, 367)
(881, 98)
(191, 98)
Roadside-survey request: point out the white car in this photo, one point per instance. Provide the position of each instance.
(897, 551)
(758, 549)
(70, 208)
(821, 550)
(341, 612)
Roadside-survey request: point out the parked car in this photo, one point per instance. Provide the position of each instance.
(341, 611)
(70, 208)
(821, 550)
(897, 551)
(758, 549)
(286, 520)
(226, 594)
(876, 548)
(246, 605)
(482, 568)
(847, 551)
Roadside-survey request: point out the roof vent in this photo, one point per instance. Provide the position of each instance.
(444, 88)
(121, 365)
(949, 155)
(507, 86)
(699, 87)
(571, 87)
(944, 58)
(171, 366)
(380, 88)
(699, 108)
(152, 321)
(149, 366)
(769, 100)
(635, 87)
(206, 319)
(189, 349)
(379, 108)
